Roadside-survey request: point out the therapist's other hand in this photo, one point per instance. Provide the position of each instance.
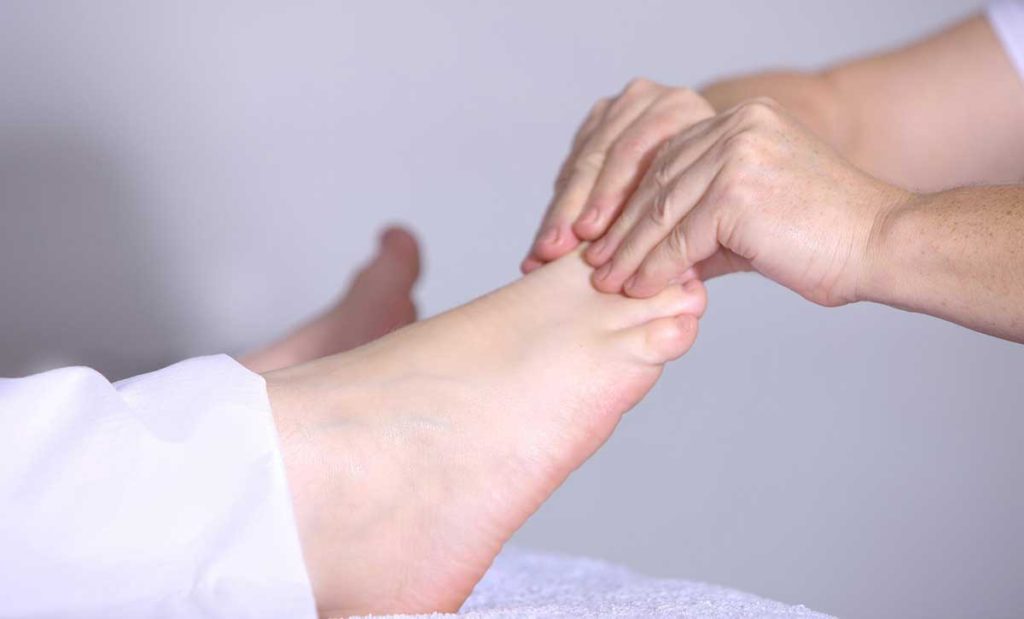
(609, 155)
(747, 189)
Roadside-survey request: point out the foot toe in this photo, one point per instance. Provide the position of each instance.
(689, 298)
(664, 339)
(399, 254)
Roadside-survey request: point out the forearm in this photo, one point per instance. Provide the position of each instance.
(943, 112)
(813, 98)
(957, 255)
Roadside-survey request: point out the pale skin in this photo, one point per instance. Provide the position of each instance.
(413, 458)
(840, 185)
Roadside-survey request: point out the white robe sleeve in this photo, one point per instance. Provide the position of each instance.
(163, 495)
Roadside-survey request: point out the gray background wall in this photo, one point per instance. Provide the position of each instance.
(178, 179)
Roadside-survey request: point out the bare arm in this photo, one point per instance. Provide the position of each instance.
(832, 184)
(941, 112)
(957, 255)
(754, 189)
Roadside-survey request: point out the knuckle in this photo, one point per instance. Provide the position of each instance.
(694, 106)
(733, 192)
(767, 102)
(681, 95)
(676, 243)
(639, 85)
(760, 110)
(661, 174)
(744, 145)
(589, 162)
(665, 149)
(660, 212)
(629, 147)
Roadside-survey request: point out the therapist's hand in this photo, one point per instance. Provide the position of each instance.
(609, 155)
(747, 189)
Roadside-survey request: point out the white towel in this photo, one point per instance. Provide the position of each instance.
(529, 584)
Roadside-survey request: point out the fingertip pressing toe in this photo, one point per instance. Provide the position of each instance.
(588, 227)
(553, 247)
(597, 253)
(604, 281)
(530, 264)
(640, 287)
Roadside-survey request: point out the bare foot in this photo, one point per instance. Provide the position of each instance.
(377, 302)
(411, 460)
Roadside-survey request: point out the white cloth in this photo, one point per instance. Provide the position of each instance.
(524, 584)
(163, 495)
(1007, 19)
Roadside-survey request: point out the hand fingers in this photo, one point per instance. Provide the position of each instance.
(555, 237)
(693, 239)
(661, 216)
(686, 224)
(583, 133)
(722, 262)
(675, 156)
(631, 154)
(580, 173)
(551, 229)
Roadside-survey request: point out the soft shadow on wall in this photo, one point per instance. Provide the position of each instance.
(81, 284)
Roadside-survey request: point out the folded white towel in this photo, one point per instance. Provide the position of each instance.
(528, 584)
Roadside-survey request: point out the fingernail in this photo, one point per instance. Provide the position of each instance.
(598, 247)
(629, 282)
(603, 271)
(590, 217)
(550, 236)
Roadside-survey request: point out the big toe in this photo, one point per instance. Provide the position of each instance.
(383, 287)
(662, 340)
(398, 256)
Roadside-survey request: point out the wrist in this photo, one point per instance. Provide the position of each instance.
(815, 99)
(885, 274)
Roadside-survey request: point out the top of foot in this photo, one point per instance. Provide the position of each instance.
(414, 458)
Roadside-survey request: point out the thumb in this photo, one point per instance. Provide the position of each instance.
(722, 262)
